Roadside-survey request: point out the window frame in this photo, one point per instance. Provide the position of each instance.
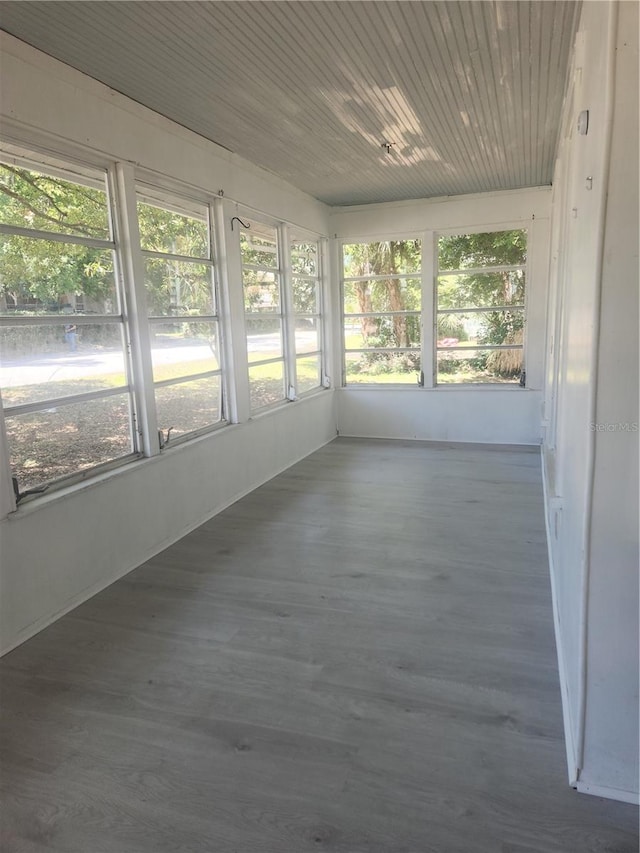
(437, 273)
(282, 314)
(291, 234)
(418, 275)
(151, 191)
(68, 168)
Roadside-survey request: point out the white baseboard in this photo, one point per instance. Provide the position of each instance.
(609, 793)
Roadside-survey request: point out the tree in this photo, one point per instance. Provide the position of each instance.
(479, 289)
(49, 270)
(395, 293)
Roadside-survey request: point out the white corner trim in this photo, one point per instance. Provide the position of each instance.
(572, 764)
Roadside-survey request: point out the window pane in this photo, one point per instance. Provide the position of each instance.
(307, 336)
(182, 349)
(493, 249)
(480, 327)
(189, 406)
(304, 258)
(45, 362)
(394, 294)
(305, 296)
(391, 256)
(398, 331)
(479, 366)
(386, 367)
(42, 276)
(178, 287)
(308, 371)
(174, 230)
(261, 295)
(31, 199)
(483, 289)
(266, 384)
(264, 338)
(259, 246)
(64, 440)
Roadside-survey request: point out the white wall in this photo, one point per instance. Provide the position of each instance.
(493, 414)
(591, 476)
(63, 547)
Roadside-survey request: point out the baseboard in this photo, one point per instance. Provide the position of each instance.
(572, 762)
(609, 793)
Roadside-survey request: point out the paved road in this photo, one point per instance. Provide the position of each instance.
(87, 362)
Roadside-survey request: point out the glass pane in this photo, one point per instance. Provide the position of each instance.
(178, 287)
(397, 331)
(480, 327)
(264, 338)
(492, 249)
(261, 295)
(189, 406)
(43, 277)
(266, 384)
(393, 294)
(391, 256)
(63, 440)
(183, 349)
(386, 367)
(307, 335)
(31, 199)
(308, 373)
(45, 362)
(304, 258)
(305, 296)
(483, 289)
(479, 366)
(171, 229)
(259, 246)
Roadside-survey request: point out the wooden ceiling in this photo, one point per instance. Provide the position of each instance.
(467, 94)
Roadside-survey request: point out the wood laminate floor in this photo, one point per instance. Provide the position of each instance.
(358, 657)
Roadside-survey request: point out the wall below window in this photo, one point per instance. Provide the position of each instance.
(501, 416)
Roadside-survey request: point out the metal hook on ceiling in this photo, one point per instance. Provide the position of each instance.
(237, 219)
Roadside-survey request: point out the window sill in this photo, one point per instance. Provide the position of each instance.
(484, 386)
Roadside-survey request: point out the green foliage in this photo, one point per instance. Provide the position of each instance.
(396, 259)
(480, 289)
(490, 249)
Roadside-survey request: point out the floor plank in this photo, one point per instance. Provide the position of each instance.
(357, 657)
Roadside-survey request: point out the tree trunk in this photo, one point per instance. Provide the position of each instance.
(367, 324)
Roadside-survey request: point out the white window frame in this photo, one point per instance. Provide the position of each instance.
(290, 233)
(68, 168)
(417, 275)
(462, 231)
(283, 315)
(149, 191)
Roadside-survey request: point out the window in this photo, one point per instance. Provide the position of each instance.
(264, 315)
(182, 309)
(306, 285)
(480, 307)
(64, 370)
(381, 311)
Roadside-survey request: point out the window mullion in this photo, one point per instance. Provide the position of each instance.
(429, 331)
(133, 272)
(7, 496)
(229, 271)
(289, 323)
